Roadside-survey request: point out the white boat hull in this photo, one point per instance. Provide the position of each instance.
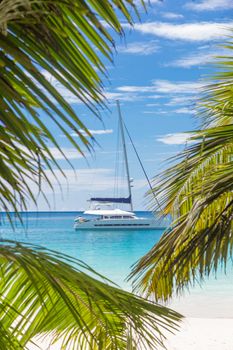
(120, 224)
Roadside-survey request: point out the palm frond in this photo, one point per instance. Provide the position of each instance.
(48, 294)
(41, 42)
(198, 192)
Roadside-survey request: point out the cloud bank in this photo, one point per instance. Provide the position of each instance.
(210, 5)
(178, 138)
(192, 32)
(139, 48)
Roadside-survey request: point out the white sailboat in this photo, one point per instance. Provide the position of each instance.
(109, 218)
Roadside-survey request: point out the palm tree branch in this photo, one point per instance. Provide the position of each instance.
(73, 304)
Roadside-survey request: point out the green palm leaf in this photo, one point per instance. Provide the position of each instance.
(67, 40)
(43, 293)
(198, 193)
(48, 294)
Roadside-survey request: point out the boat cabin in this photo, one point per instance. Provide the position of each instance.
(114, 214)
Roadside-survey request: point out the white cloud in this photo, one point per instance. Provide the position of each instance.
(184, 110)
(153, 104)
(196, 59)
(205, 54)
(156, 112)
(71, 98)
(113, 96)
(172, 15)
(198, 31)
(175, 87)
(190, 61)
(155, 97)
(178, 138)
(139, 48)
(133, 88)
(165, 88)
(94, 132)
(101, 132)
(210, 5)
(181, 100)
(90, 180)
(84, 179)
(70, 153)
(70, 192)
(79, 180)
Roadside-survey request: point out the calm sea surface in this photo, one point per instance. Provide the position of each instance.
(109, 252)
(112, 253)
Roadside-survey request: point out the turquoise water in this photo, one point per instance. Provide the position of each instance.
(112, 254)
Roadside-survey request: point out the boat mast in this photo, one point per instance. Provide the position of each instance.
(125, 153)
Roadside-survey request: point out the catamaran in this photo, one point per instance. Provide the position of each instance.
(115, 218)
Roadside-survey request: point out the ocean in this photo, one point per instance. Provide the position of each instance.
(112, 253)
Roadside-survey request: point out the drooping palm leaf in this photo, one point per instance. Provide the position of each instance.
(40, 292)
(67, 41)
(44, 292)
(198, 193)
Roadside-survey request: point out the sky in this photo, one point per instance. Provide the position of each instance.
(159, 70)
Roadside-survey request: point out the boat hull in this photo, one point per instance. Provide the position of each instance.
(123, 224)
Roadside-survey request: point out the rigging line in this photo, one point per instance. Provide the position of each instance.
(116, 179)
(143, 169)
(125, 153)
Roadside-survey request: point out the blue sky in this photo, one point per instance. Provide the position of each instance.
(159, 70)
